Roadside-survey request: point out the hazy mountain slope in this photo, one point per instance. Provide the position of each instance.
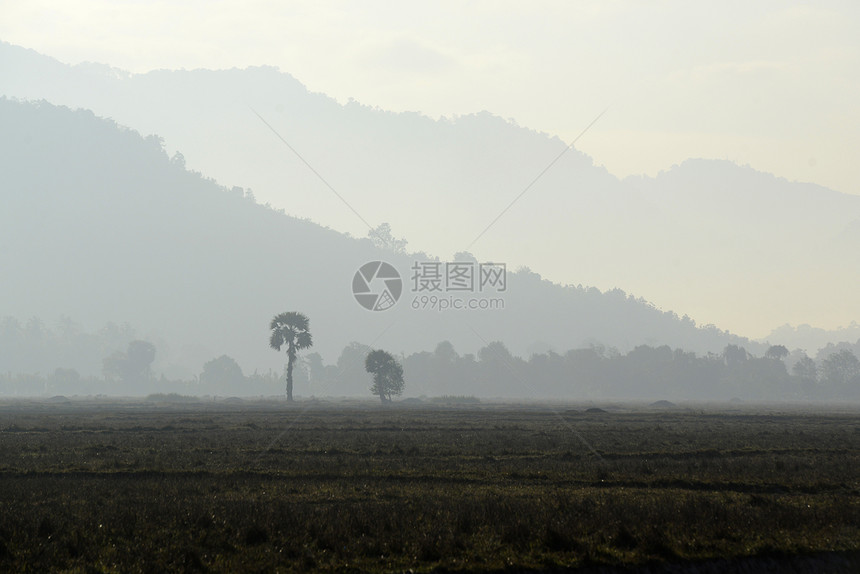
(756, 244)
(99, 225)
(727, 244)
(439, 183)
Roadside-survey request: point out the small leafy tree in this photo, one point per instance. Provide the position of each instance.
(351, 375)
(382, 238)
(776, 352)
(734, 355)
(222, 374)
(292, 330)
(806, 369)
(132, 366)
(841, 370)
(387, 374)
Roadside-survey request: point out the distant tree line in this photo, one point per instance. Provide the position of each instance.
(646, 372)
(221, 377)
(597, 372)
(32, 346)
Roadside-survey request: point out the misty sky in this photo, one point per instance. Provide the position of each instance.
(769, 84)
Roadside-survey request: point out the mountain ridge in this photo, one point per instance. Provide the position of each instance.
(728, 244)
(106, 227)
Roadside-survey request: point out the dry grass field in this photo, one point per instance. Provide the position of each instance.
(98, 486)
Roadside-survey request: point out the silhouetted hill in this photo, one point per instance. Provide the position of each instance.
(99, 224)
(725, 243)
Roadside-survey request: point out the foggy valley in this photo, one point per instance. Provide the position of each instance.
(327, 287)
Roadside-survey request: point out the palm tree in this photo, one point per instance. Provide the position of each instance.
(290, 329)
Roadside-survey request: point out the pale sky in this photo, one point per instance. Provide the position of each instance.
(772, 84)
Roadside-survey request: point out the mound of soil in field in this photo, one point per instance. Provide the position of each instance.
(663, 405)
(595, 410)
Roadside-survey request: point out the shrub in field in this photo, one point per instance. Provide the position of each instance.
(387, 374)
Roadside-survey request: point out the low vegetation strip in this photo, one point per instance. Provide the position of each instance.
(394, 489)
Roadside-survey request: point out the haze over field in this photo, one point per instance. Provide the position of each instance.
(454, 286)
(716, 190)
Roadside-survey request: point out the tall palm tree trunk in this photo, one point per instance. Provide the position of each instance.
(291, 357)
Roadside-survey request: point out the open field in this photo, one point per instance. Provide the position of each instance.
(254, 486)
